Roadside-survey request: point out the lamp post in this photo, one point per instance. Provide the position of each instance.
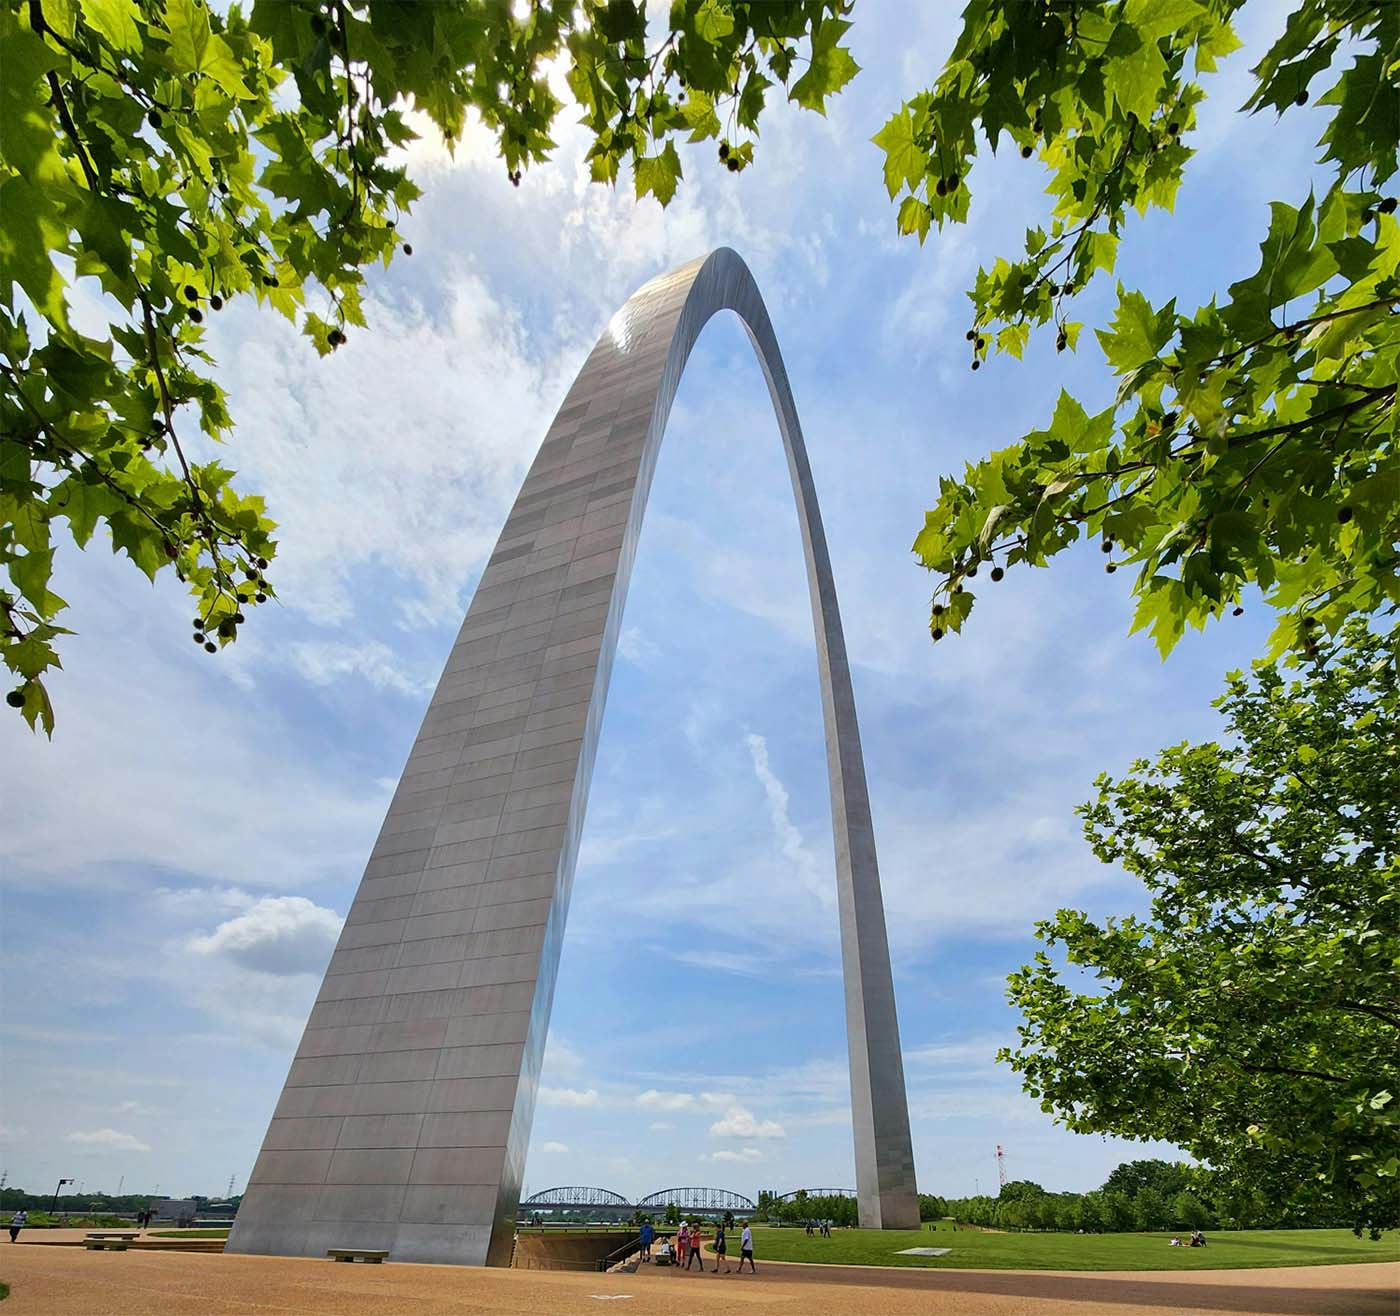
(53, 1206)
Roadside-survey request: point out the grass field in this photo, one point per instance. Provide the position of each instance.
(188, 1233)
(974, 1250)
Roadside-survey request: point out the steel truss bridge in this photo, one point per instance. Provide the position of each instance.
(696, 1201)
(576, 1199)
(817, 1192)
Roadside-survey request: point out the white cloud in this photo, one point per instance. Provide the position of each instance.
(651, 1099)
(181, 776)
(790, 842)
(280, 935)
(568, 1097)
(323, 662)
(201, 899)
(414, 477)
(108, 1139)
(554, 1146)
(635, 647)
(660, 1126)
(744, 964)
(561, 1059)
(744, 1154)
(739, 1122)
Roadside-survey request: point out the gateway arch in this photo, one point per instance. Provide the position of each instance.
(406, 1114)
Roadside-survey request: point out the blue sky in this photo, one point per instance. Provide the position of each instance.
(178, 860)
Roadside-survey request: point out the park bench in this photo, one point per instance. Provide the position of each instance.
(106, 1244)
(114, 1233)
(368, 1255)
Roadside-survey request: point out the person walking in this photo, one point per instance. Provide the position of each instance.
(648, 1233)
(695, 1253)
(746, 1249)
(720, 1249)
(682, 1244)
(18, 1222)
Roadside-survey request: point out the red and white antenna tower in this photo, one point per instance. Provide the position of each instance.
(1001, 1167)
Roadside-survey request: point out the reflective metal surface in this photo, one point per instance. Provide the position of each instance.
(406, 1115)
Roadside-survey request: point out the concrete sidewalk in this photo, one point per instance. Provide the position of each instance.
(66, 1281)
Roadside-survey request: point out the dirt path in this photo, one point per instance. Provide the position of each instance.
(54, 1281)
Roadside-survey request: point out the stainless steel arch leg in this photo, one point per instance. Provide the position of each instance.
(406, 1115)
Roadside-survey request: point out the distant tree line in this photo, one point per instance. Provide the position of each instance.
(803, 1206)
(18, 1199)
(1140, 1195)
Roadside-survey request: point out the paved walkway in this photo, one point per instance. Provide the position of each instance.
(53, 1281)
(67, 1237)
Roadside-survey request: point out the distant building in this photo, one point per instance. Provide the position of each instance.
(174, 1210)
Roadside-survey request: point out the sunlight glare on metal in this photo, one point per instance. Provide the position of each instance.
(622, 330)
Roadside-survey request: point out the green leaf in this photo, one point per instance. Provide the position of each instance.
(115, 20)
(658, 174)
(37, 707)
(830, 69)
(30, 656)
(905, 160)
(31, 230)
(1135, 70)
(196, 49)
(188, 25)
(714, 21)
(699, 116)
(30, 574)
(1139, 333)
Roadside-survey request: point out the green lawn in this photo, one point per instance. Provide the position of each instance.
(188, 1233)
(975, 1250)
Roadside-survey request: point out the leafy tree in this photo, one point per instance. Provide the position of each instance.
(1252, 1016)
(1088, 1214)
(1018, 1190)
(1151, 1210)
(931, 1207)
(673, 1214)
(1190, 1212)
(1133, 1177)
(1115, 1212)
(1251, 441)
(184, 154)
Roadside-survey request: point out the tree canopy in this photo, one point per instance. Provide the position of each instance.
(1143, 1194)
(1252, 1015)
(1251, 442)
(183, 154)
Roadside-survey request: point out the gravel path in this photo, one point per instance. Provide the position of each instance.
(53, 1281)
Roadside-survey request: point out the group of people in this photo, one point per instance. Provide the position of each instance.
(686, 1251)
(1197, 1239)
(822, 1228)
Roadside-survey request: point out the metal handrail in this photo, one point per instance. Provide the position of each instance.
(620, 1254)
